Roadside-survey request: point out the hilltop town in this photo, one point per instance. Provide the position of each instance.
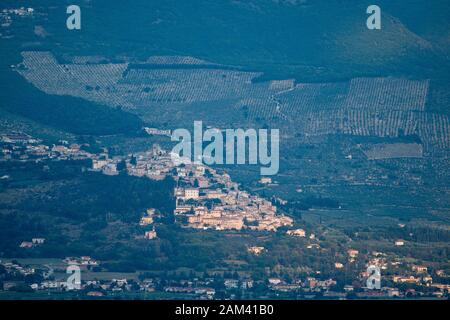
(204, 197)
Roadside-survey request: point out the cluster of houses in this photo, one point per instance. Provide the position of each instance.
(84, 261)
(416, 275)
(154, 164)
(209, 199)
(33, 243)
(15, 268)
(147, 220)
(22, 147)
(22, 11)
(7, 15)
(158, 132)
(309, 285)
(206, 287)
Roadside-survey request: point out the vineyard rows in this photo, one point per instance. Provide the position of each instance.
(383, 107)
(387, 94)
(177, 60)
(433, 129)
